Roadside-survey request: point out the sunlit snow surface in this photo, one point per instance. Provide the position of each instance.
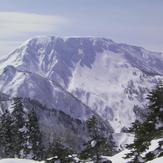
(118, 159)
(157, 160)
(18, 161)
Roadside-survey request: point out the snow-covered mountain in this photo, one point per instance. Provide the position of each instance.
(75, 75)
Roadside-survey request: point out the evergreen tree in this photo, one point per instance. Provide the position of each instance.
(151, 128)
(155, 119)
(19, 121)
(140, 143)
(98, 144)
(33, 146)
(6, 135)
(18, 113)
(59, 152)
(19, 133)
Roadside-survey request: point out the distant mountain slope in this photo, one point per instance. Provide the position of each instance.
(54, 123)
(109, 77)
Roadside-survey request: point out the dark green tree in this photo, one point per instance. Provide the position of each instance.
(151, 128)
(154, 120)
(33, 144)
(6, 135)
(18, 113)
(58, 151)
(19, 124)
(19, 133)
(98, 143)
(140, 143)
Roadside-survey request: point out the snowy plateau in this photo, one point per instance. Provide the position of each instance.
(81, 77)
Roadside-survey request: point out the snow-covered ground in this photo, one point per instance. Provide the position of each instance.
(18, 161)
(114, 160)
(157, 160)
(118, 158)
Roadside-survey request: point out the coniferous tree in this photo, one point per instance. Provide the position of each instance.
(139, 145)
(151, 128)
(98, 144)
(33, 145)
(155, 119)
(19, 121)
(59, 152)
(19, 133)
(6, 135)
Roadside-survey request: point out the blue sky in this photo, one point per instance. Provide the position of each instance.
(138, 22)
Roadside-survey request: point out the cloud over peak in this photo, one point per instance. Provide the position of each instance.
(17, 26)
(17, 23)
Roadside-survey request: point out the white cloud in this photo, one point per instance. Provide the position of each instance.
(16, 24)
(16, 27)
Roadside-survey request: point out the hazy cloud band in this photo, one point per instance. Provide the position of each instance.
(15, 23)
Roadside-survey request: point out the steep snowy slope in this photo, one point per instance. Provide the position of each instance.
(14, 82)
(116, 87)
(110, 78)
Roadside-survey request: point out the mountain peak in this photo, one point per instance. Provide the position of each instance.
(43, 41)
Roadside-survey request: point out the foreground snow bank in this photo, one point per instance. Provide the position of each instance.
(118, 158)
(18, 161)
(157, 160)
